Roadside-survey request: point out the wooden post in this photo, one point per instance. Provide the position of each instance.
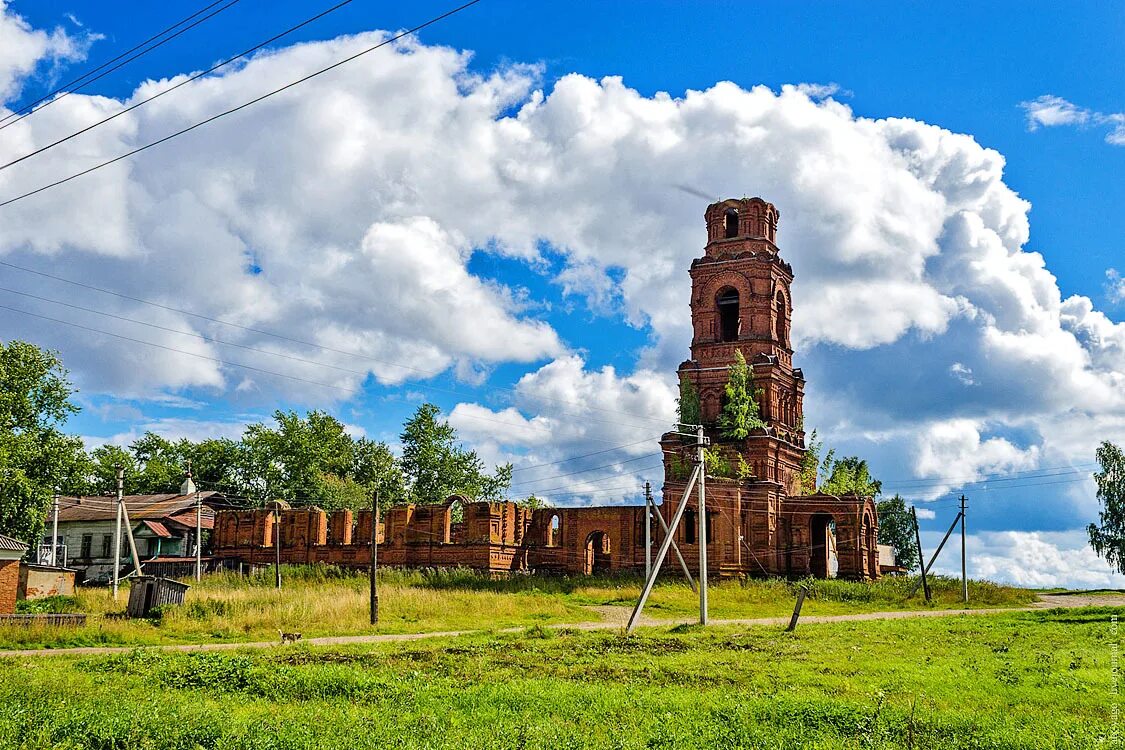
(796, 611)
(374, 557)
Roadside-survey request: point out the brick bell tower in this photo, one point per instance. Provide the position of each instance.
(741, 301)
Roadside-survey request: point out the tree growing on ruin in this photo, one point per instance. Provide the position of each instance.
(687, 405)
(848, 476)
(1107, 537)
(741, 414)
(810, 462)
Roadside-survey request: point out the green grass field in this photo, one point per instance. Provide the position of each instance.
(1007, 680)
(323, 601)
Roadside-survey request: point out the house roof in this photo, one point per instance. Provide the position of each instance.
(9, 544)
(140, 507)
(157, 528)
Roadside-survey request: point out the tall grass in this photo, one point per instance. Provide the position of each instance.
(321, 600)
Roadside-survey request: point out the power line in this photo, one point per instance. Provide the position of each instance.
(583, 471)
(424, 373)
(185, 82)
(584, 455)
(238, 364)
(242, 106)
(283, 355)
(29, 109)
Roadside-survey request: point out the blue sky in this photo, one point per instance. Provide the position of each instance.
(927, 391)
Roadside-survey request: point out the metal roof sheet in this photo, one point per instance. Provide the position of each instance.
(140, 507)
(12, 545)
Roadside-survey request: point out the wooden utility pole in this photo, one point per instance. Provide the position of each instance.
(277, 543)
(374, 556)
(964, 572)
(921, 557)
(117, 531)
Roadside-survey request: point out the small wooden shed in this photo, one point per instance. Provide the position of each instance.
(149, 592)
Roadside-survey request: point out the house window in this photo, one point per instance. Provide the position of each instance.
(87, 544)
(107, 540)
(689, 526)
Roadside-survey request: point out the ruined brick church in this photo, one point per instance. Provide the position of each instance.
(766, 524)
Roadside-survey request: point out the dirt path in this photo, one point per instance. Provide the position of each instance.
(613, 618)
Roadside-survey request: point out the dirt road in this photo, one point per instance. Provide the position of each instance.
(614, 618)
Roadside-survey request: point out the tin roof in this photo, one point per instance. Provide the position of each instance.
(12, 545)
(157, 528)
(140, 507)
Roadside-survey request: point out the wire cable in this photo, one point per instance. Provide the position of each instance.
(244, 105)
(29, 109)
(424, 373)
(184, 82)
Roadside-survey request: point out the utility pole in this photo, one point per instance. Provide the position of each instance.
(277, 543)
(55, 532)
(374, 556)
(648, 530)
(117, 532)
(702, 525)
(669, 541)
(189, 488)
(964, 572)
(921, 557)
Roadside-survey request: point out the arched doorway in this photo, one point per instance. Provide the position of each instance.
(597, 553)
(822, 544)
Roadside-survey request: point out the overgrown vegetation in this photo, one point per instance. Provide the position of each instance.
(320, 600)
(1027, 680)
(687, 405)
(896, 528)
(740, 415)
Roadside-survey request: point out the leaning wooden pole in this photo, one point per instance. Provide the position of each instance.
(921, 557)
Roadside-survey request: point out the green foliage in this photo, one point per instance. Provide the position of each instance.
(745, 471)
(531, 502)
(36, 458)
(436, 466)
(896, 528)
(679, 467)
(848, 476)
(1108, 536)
(740, 415)
(687, 405)
(810, 461)
(717, 465)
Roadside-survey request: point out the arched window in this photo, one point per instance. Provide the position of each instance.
(782, 321)
(731, 223)
(553, 531)
(728, 314)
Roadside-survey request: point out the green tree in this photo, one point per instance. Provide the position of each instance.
(896, 528)
(810, 461)
(436, 466)
(106, 459)
(1108, 536)
(313, 461)
(740, 413)
(36, 458)
(848, 476)
(687, 405)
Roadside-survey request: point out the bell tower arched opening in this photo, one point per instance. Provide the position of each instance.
(731, 224)
(728, 302)
(781, 320)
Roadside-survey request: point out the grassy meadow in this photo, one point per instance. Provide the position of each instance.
(326, 601)
(1038, 679)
